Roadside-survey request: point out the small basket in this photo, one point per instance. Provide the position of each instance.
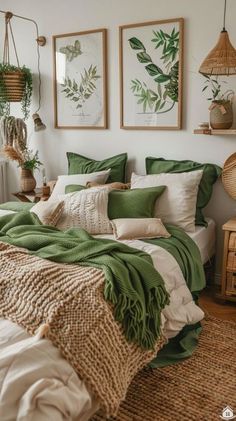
(231, 261)
(232, 241)
(231, 283)
(229, 176)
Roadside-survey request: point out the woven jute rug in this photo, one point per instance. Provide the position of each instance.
(197, 389)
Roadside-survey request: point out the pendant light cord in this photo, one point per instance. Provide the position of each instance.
(224, 16)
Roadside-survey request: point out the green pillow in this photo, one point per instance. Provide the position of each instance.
(79, 164)
(135, 203)
(16, 206)
(71, 188)
(210, 174)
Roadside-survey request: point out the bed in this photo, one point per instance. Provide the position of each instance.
(38, 383)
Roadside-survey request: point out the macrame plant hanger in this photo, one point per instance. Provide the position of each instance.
(16, 83)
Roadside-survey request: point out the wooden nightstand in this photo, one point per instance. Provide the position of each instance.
(228, 281)
(32, 196)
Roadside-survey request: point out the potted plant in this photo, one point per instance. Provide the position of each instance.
(221, 110)
(28, 161)
(15, 86)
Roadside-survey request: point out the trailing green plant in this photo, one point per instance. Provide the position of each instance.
(167, 79)
(71, 51)
(26, 99)
(215, 87)
(80, 93)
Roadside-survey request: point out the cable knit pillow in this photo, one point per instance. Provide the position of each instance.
(86, 209)
(177, 205)
(138, 228)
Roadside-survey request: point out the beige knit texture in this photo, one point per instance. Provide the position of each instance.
(86, 209)
(65, 302)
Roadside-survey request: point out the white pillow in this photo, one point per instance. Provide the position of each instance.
(138, 228)
(64, 180)
(86, 209)
(48, 212)
(177, 205)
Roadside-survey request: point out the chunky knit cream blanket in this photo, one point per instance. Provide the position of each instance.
(66, 303)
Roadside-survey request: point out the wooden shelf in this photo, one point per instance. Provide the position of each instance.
(215, 132)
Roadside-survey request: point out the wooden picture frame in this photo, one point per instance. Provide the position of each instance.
(80, 80)
(151, 75)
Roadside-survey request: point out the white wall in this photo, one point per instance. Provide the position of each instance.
(203, 22)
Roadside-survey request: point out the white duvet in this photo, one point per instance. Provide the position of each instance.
(37, 383)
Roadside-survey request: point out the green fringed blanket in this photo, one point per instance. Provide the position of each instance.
(132, 284)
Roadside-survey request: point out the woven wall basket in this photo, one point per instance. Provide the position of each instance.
(14, 83)
(229, 176)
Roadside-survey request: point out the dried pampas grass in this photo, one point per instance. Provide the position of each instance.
(13, 154)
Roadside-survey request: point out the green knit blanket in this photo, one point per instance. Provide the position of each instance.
(132, 284)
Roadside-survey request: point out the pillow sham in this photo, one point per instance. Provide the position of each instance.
(210, 174)
(82, 179)
(136, 203)
(48, 212)
(79, 164)
(86, 209)
(134, 229)
(177, 205)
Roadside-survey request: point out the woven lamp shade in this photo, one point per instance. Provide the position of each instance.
(222, 59)
(229, 176)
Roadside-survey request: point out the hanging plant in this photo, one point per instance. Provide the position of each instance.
(15, 86)
(15, 81)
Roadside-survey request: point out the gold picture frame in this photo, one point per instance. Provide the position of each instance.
(80, 80)
(151, 75)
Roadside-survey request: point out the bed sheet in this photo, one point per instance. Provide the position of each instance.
(205, 238)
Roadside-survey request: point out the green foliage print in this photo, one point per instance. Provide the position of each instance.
(80, 93)
(71, 51)
(163, 98)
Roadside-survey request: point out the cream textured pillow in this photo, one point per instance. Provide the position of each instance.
(86, 209)
(177, 205)
(138, 228)
(48, 212)
(99, 177)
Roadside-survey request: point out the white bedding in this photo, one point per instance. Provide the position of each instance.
(205, 238)
(36, 383)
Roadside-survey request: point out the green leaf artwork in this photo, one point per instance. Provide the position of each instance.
(71, 51)
(80, 92)
(163, 97)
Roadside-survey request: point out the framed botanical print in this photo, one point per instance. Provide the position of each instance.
(80, 80)
(151, 72)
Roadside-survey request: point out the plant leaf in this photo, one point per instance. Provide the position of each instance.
(136, 44)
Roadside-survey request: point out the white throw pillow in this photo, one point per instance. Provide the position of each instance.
(99, 177)
(86, 209)
(138, 228)
(177, 205)
(48, 212)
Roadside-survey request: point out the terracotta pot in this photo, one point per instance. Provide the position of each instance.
(27, 181)
(221, 114)
(14, 83)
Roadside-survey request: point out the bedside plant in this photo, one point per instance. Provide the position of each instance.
(28, 161)
(15, 86)
(221, 111)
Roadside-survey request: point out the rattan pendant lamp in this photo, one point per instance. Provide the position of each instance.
(222, 58)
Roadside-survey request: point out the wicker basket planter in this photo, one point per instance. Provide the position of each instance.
(27, 181)
(14, 85)
(221, 114)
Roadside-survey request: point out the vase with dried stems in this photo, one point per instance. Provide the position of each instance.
(28, 161)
